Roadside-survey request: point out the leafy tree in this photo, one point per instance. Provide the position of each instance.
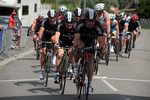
(123, 3)
(143, 9)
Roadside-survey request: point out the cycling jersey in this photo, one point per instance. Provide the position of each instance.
(132, 26)
(88, 35)
(12, 21)
(49, 29)
(60, 19)
(122, 24)
(37, 23)
(113, 25)
(66, 35)
(104, 18)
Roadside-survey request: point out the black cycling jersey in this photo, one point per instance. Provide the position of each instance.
(132, 26)
(49, 29)
(66, 35)
(122, 24)
(38, 25)
(87, 35)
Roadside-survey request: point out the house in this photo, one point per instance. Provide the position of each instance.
(131, 7)
(114, 10)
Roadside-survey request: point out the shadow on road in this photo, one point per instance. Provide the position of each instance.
(74, 97)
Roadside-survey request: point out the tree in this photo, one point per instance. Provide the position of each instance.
(123, 3)
(143, 8)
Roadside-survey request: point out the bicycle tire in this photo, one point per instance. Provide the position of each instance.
(63, 78)
(117, 50)
(129, 47)
(37, 54)
(86, 85)
(107, 53)
(95, 64)
(47, 69)
(79, 83)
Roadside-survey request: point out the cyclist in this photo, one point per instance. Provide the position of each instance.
(123, 28)
(133, 25)
(64, 37)
(36, 27)
(103, 18)
(62, 10)
(114, 30)
(78, 15)
(86, 30)
(46, 33)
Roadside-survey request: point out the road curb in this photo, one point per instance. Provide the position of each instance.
(18, 56)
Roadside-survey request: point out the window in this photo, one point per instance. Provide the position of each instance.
(19, 1)
(25, 10)
(35, 7)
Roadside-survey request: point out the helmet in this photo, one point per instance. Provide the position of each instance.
(52, 13)
(40, 15)
(62, 8)
(13, 13)
(118, 16)
(99, 6)
(90, 14)
(111, 16)
(69, 16)
(78, 11)
(135, 17)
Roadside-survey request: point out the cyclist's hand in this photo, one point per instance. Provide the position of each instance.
(139, 33)
(57, 45)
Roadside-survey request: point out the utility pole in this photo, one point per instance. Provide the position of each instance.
(56, 5)
(84, 4)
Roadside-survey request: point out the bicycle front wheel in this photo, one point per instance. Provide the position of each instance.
(47, 68)
(117, 50)
(107, 53)
(63, 74)
(129, 47)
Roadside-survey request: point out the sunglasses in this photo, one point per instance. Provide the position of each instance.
(90, 20)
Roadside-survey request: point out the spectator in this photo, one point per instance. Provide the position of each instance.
(1, 27)
(12, 21)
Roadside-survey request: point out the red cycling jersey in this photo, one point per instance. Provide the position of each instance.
(35, 21)
(12, 21)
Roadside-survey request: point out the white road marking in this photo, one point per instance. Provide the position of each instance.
(109, 85)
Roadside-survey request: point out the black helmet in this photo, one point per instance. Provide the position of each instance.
(90, 14)
(118, 16)
(78, 12)
(68, 16)
(52, 13)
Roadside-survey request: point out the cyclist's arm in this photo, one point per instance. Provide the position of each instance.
(117, 30)
(56, 37)
(76, 39)
(108, 26)
(41, 32)
(33, 26)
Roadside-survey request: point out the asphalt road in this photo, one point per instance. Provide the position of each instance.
(127, 79)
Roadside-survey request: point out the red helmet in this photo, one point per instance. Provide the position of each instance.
(13, 13)
(135, 17)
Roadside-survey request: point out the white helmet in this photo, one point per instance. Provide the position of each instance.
(40, 15)
(62, 8)
(99, 6)
(111, 16)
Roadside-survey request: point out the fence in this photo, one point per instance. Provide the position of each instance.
(145, 23)
(6, 41)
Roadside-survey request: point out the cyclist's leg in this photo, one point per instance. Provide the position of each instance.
(134, 37)
(54, 50)
(43, 57)
(128, 36)
(34, 39)
(58, 59)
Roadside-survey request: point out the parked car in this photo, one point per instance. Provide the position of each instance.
(4, 21)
